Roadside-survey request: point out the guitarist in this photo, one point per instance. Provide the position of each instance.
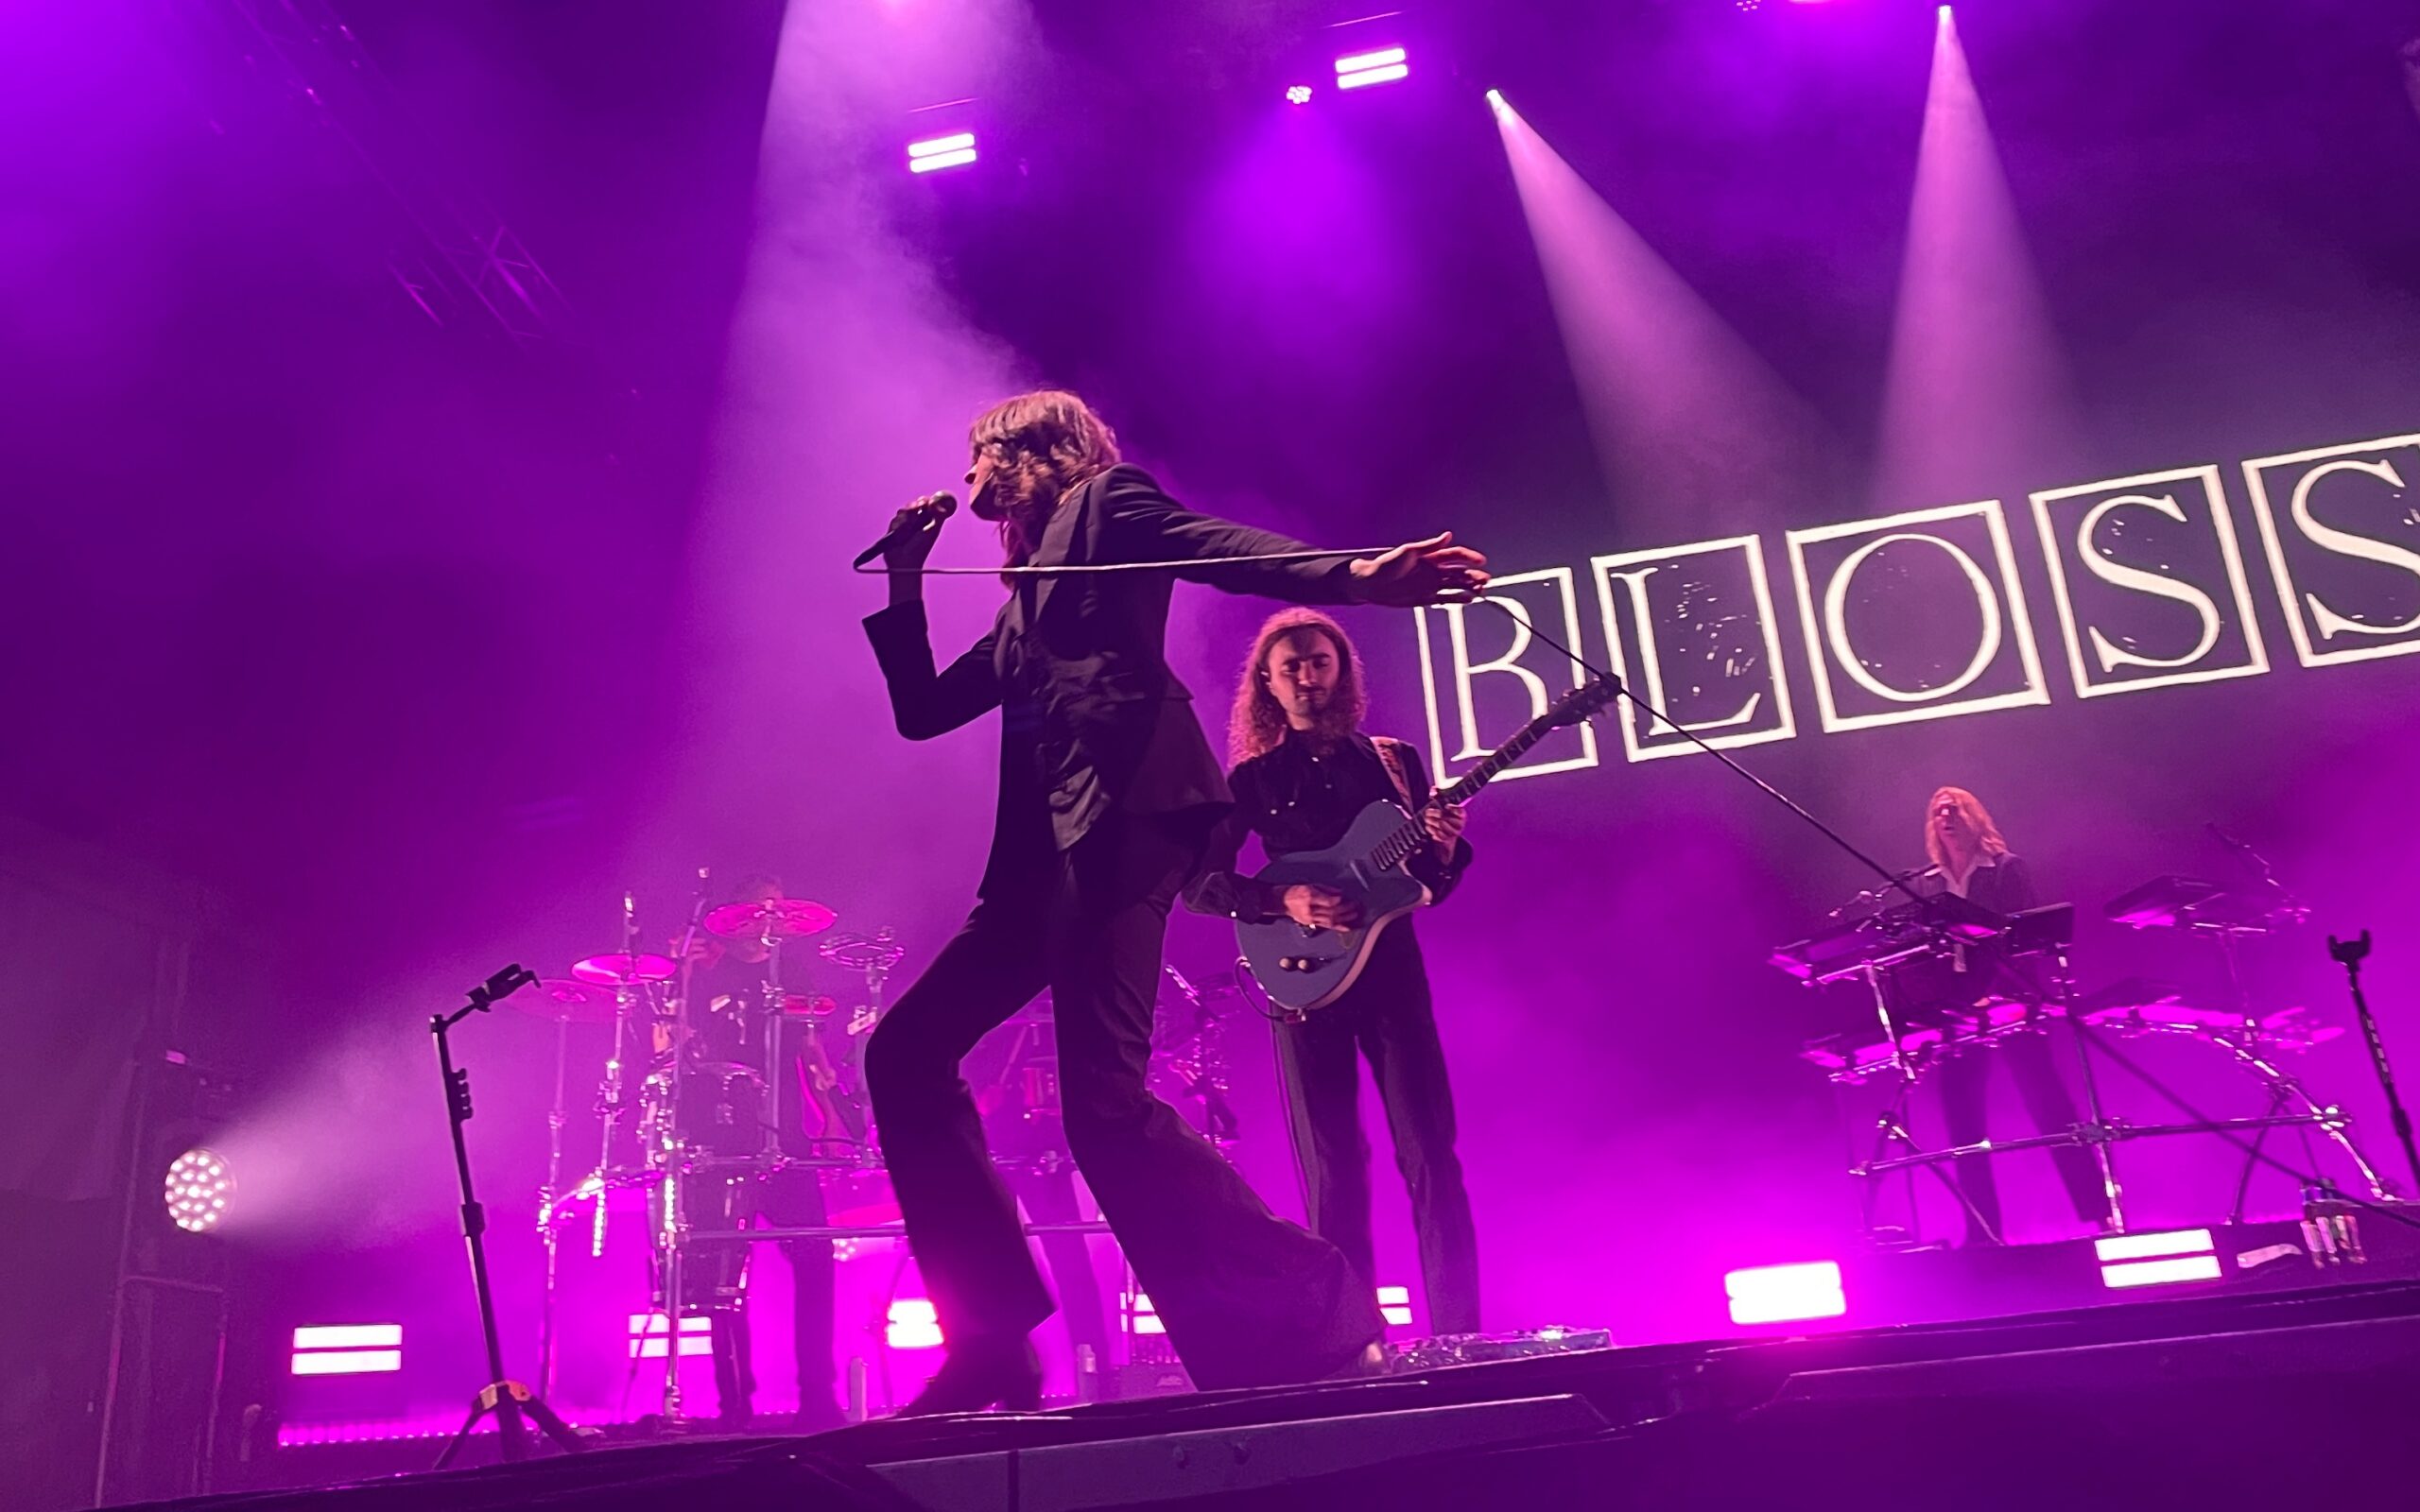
(1303, 771)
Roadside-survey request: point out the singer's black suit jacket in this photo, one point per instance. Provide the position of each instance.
(1104, 724)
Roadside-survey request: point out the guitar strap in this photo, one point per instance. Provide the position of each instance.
(1391, 757)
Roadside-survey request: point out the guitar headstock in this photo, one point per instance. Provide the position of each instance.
(1580, 703)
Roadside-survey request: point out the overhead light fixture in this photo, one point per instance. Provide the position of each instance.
(935, 153)
(1361, 70)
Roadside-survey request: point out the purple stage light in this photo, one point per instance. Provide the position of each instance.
(197, 1191)
(953, 151)
(648, 1336)
(348, 1349)
(1978, 378)
(1395, 1305)
(2129, 1261)
(1360, 70)
(372, 1430)
(1783, 1294)
(913, 1324)
(1140, 1316)
(1298, 93)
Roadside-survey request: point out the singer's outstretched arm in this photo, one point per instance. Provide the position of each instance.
(1145, 525)
(924, 703)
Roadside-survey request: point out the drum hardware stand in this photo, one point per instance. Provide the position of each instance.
(2330, 1120)
(877, 954)
(768, 1015)
(506, 1398)
(2095, 1129)
(548, 1233)
(1890, 1128)
(2350, 954)
(627, 996)
(670, 1233)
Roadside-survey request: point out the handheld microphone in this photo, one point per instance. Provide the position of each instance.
(926, 514)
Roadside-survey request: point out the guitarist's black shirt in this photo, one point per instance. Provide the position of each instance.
(1296, 799)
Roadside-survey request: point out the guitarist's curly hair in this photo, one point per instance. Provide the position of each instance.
(1258, 722)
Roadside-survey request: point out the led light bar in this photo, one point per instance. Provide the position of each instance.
(935, 153)
(348, 1349)
(648, 1340)
(2152, 1247)
(913, 1324)
(1141, 1317)
(2156, 1259)
(1361, 70)
(1783, 1294)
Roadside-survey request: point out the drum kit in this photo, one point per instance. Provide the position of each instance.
(2029, 951)
(725, 1068)
(686, 1107)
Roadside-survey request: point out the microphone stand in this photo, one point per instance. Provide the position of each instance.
(1930, 910)
(507, 1398)
(2349, 953)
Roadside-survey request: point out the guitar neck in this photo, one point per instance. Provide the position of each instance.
(1413, 835)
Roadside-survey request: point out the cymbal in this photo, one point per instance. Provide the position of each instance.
(618, 969)
(783, 917)
(560, 998)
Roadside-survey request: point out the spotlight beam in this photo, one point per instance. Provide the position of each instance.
(1683, 411)
(1976, 389)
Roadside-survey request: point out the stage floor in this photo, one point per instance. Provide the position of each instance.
(2240, 1397)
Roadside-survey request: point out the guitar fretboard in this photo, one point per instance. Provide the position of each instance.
(1413, 835)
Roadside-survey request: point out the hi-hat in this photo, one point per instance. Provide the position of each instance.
(618, 969)
(782, 917)
(561, 998)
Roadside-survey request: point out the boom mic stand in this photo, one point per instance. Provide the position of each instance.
(2349, 953)
(2332, 1203)
(506, 1398)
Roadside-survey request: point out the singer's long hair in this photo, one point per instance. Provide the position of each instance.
(1988, 843)
(1044, 443)
(1258, 722)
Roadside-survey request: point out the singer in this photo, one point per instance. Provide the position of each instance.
(1108, 794)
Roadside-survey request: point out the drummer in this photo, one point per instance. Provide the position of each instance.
(738, 1018)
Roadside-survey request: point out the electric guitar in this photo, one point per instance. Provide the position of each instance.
(1301, 968)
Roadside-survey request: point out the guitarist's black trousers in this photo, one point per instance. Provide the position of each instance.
(1387, 1016)
(1248, 1298)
